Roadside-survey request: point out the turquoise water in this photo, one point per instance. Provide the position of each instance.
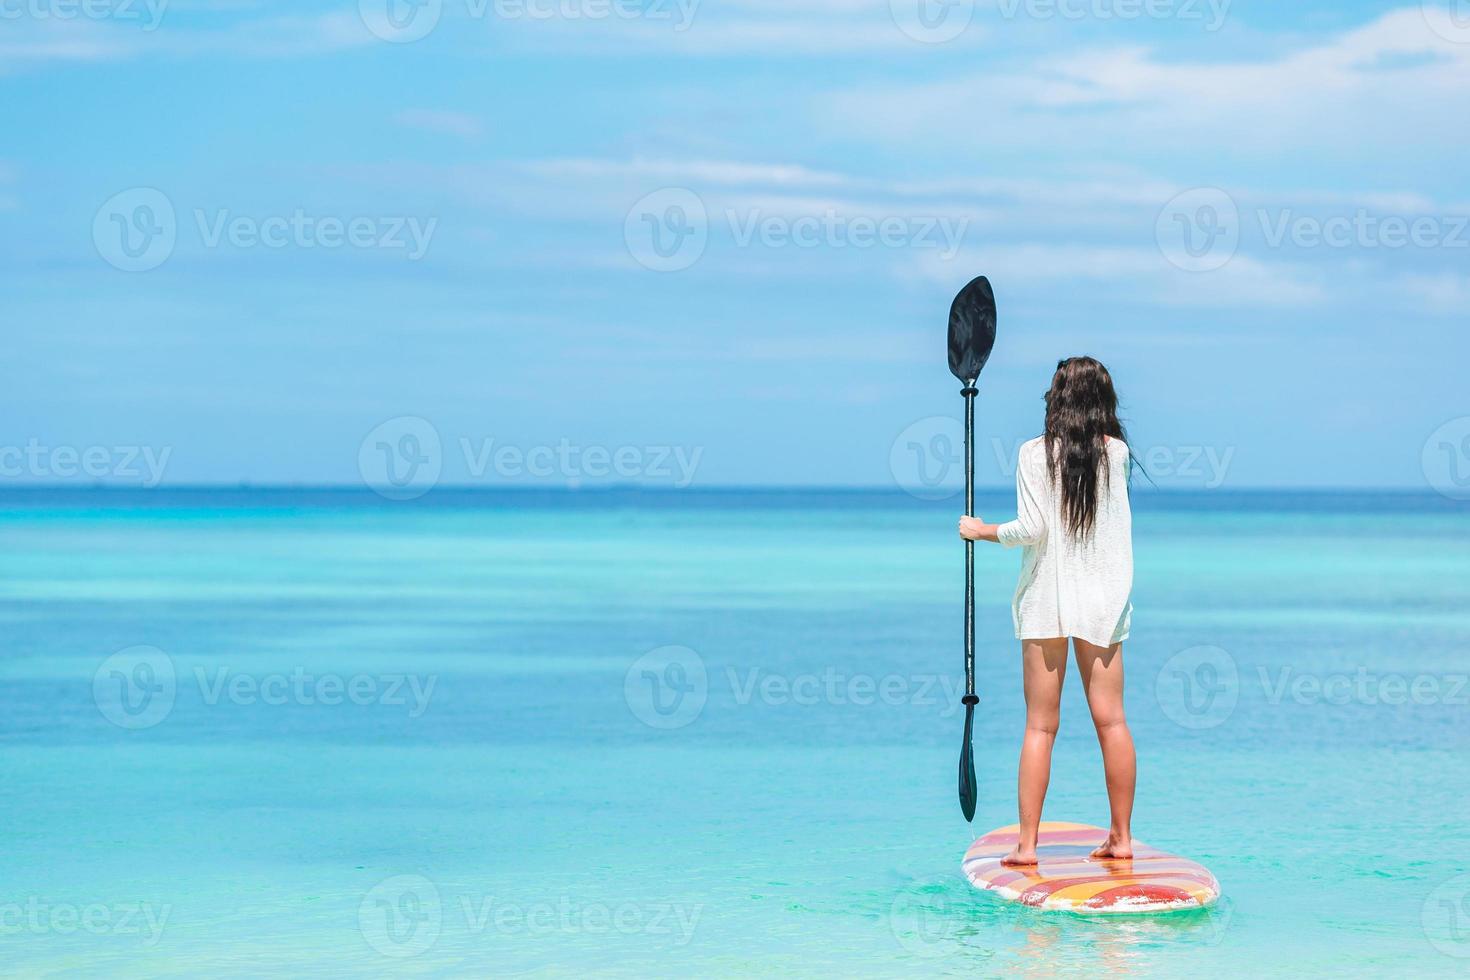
(252, 732)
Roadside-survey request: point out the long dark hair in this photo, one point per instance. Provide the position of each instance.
(1081, 412)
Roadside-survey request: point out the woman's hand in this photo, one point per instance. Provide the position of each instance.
(975, 529)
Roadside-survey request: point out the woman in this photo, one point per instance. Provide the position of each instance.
(1074, 522)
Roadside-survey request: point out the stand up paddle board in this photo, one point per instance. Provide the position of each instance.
(1065, 879)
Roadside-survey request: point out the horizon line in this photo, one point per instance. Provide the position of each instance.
(665, 488)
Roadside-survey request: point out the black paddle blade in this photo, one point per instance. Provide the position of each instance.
(971, 329)
(968, 791)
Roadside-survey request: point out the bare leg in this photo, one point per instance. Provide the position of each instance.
(1102, 678)
(1044, 667)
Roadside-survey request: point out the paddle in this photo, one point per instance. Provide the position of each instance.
(971, 336)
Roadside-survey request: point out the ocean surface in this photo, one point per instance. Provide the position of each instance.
(704, 733)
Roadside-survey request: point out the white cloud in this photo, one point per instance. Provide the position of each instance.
(1036, 232)
(1245, 282)
(869, 347)
(783, 35)
(1145, 273)
(1123, 188)
(274, 37)
(1447, 293)
(443, 121)
(690, 171)
(1060, 205)
(1392, 79)
(29, 42)
(714, 29)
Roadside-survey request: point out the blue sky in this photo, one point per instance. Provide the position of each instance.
(460, 229)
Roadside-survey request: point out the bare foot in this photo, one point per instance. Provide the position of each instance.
(1115, 846)
(1019, 857)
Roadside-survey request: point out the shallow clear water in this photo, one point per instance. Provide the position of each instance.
(261, 731)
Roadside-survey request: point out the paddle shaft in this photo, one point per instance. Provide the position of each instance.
(971, 337)
(969, 394)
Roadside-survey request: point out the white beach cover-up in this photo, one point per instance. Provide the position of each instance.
(1071, 587)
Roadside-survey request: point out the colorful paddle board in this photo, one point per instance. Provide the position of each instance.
(1064, 878)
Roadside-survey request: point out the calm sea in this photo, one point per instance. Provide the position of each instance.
(712, 733)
